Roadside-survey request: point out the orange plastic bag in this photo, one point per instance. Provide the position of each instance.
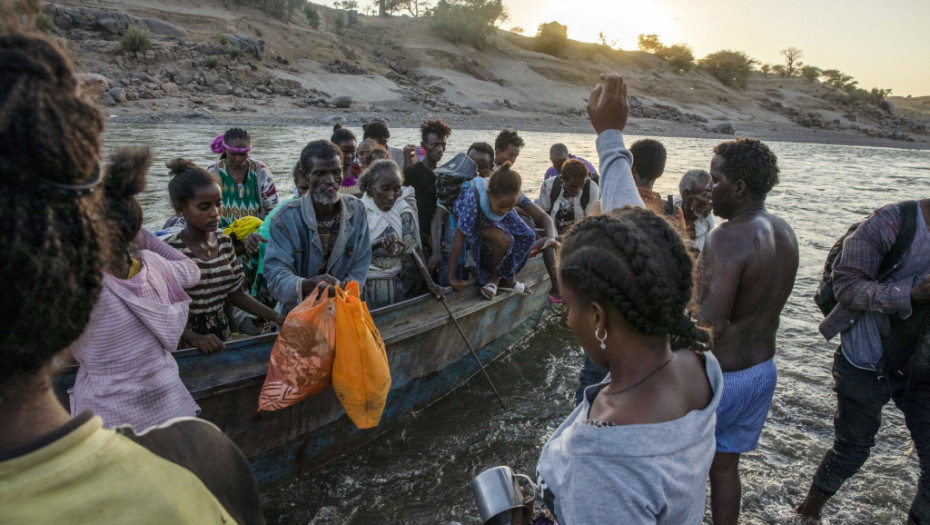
(301, 362)
(361, 375)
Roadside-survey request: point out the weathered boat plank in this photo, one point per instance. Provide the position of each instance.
(427, 356)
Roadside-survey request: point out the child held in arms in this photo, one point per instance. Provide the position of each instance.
(500, 242)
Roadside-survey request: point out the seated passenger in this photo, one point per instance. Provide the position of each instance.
(695, 188)
(127, 373)
(345, 140)
(378, 154)
(507, 146)
(378, 131)
(321, 237)
(449, 179)
(364, 151)
(248, 188)
(559, 155)
(569, 197)
(500, 242)
(392, 227)
(483, 155)
(196, 196)
(648, 165)
(422, 179)
(260, 285)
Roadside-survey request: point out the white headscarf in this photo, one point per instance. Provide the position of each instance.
(379, 220)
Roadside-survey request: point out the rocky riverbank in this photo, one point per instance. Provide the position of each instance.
(209, 63)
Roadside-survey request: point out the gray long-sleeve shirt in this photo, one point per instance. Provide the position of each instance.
(618, 189)
(631, 474)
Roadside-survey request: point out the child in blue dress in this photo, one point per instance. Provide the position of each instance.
(500, 242)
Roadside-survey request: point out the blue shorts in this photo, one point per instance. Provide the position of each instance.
(747, 397)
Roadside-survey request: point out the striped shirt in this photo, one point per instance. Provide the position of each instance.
(219, 276)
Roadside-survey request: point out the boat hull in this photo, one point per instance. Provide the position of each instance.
(427, 356)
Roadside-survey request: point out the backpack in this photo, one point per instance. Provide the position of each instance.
(824, 297)
(557, 189)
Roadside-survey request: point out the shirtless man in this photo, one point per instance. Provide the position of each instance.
(746, 273)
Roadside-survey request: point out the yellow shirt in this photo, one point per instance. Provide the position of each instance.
(93, 475)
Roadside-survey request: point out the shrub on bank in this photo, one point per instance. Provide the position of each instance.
(732, 68)
(551, 38)
(136, 40)
(679, 57)
(467, 21)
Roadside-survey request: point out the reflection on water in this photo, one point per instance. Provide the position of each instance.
(420, 473)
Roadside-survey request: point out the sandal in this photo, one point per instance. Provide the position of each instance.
(488, 291)
(518, 288)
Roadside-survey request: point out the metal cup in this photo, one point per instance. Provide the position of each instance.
(497, 493)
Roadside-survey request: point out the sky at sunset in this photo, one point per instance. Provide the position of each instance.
(881, 44)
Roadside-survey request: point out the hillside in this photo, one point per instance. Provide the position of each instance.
(396, 68)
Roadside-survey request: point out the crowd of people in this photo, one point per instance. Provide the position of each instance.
(657, 415)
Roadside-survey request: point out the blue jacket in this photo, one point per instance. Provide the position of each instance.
(295, 252)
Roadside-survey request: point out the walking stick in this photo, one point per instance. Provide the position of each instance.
(435, 290)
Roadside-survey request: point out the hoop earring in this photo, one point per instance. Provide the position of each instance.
(600, 338)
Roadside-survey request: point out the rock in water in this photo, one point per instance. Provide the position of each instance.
(724, 129)
(107, 100)
(342, 102)
(117, 94)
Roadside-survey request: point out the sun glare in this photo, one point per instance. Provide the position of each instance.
(619, 20)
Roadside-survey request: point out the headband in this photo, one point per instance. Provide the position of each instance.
(219, 146)
(76, 190)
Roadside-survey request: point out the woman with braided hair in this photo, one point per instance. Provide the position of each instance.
(642, 441)
(55, 469)
(248, 189)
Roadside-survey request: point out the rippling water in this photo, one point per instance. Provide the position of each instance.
(420, 473)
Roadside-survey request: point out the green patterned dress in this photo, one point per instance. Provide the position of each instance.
(255, 196)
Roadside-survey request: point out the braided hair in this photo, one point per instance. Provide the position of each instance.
(53, 244)
(235, 134)
(634, 260)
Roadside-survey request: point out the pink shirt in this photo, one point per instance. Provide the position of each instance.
(127, 373)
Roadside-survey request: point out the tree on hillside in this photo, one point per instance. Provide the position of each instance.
(679, 56)
(792, 59)
(780, 70)
(416, 8)
(810, 73)
(765, 69)
(517, 29)
(602, 40)
(649, 43)
(838, 79)
(467, 21)
(551, 38)
(732, 68)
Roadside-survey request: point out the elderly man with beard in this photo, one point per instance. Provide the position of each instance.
(321, 237)
(695, 190)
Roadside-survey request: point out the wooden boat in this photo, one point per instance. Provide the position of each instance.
(428, 359)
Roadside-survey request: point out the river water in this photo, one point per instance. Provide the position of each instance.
(420, 472)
